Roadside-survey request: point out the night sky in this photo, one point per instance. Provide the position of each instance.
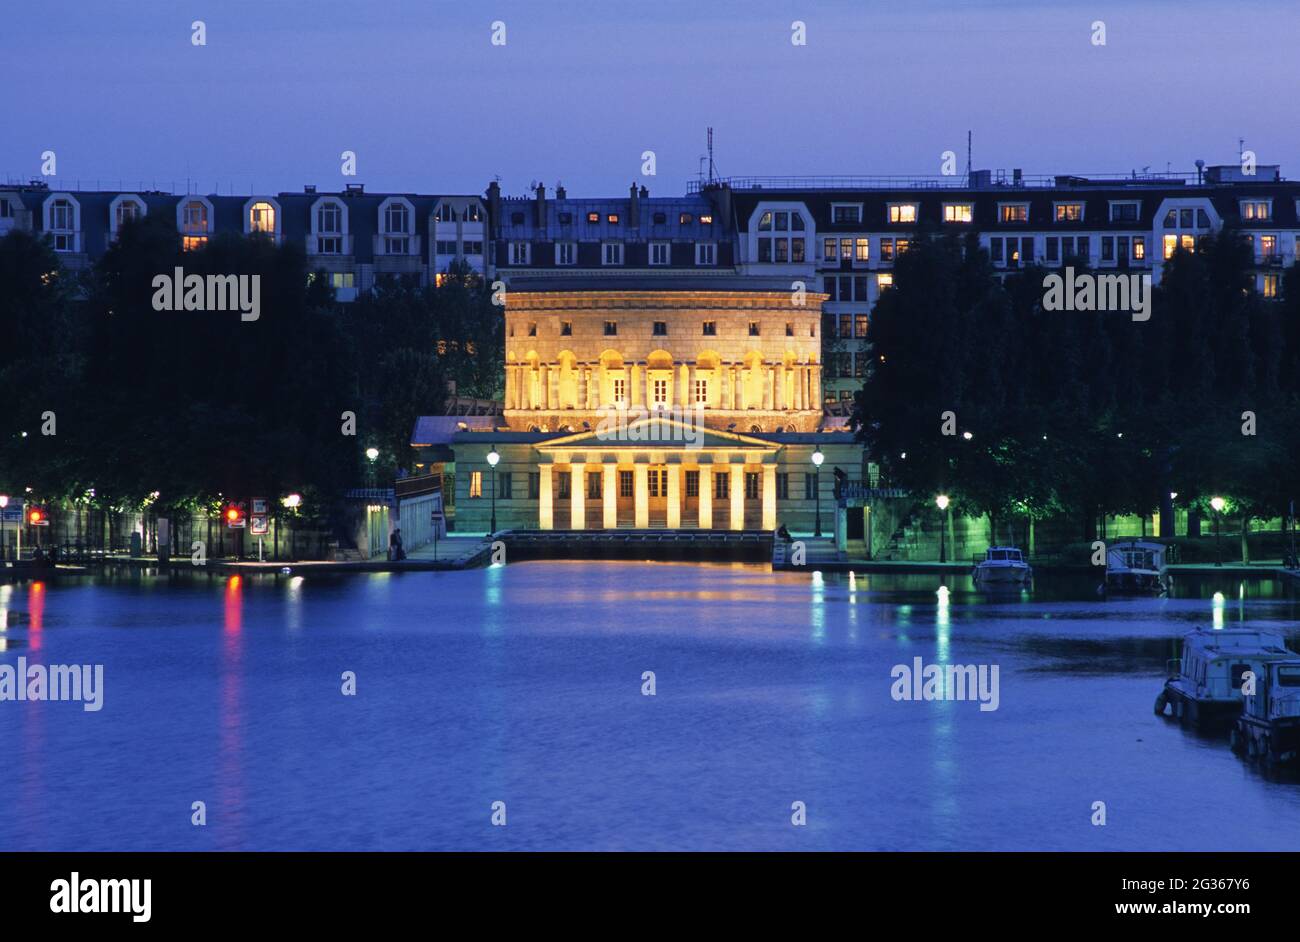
(581, 89)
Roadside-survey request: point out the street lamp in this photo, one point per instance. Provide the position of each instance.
(372, 454)
(292, 502)
(1217, 504)
(4, 502)
(492, 459)
(942, 503)
(817, 459)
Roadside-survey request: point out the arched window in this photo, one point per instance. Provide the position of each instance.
(261, 217)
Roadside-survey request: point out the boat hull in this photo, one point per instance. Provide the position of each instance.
(1274, 742)
(1194, 711)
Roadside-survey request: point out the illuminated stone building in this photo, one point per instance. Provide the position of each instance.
(677, 402)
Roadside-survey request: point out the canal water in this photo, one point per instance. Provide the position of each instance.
(524, 685)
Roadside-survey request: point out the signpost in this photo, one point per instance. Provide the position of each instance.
(259, 524)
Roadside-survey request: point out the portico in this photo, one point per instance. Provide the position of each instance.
(648, 477)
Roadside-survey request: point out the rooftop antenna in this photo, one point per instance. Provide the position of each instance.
(711, 164)
(968, 160)
(1241, 149)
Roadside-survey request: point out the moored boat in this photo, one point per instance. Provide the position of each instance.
(1206, 686)
(1002, 566)
(1137, 567)
(1268, 729)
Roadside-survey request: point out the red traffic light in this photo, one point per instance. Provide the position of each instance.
(236, 517)
(37, 517)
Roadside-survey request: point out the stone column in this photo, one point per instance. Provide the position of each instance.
(674, 497)
(684, 381)
(544, 504)
(609, 492)
(542, 385)
(737, 495)
(706, 497)
(769, 388)
(581, 402)
(688, 378)
(634, 381)
(577, 496)
(724, 380)
(769, 497)
(641, 493)
(779, 402)
(553, 387)
(816, 387)
(742, 394)
(510, 386)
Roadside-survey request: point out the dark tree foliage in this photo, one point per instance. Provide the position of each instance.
(201, 403)
(1083, 413)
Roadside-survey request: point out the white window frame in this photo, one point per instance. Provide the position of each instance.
(523, 257)
(1083, 210)
(1110, 210)
(856, 207)
(1013, 222)
(706, 253)
(252, 201)
(895, 209)
(666, 248)
(566, 248)
(611, 253)
(141, 210)
(1255, 201)
(970, 214)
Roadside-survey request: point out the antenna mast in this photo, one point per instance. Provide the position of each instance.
(711, 164)
(968, 164)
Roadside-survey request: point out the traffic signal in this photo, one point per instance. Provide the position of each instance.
(38, 517)
(236, 516)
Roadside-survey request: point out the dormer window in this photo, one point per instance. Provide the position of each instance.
(706, 220)
(846, 213)
(593, 217)
(62, 223)
(193, 219)
(612, 219)
(1256, 210)
(902, 213)
(685, 219)
(126, 211)
(958, 212)
(396, 221)
(660, 218)
(1067, 212)
(261, 217)
(1013, 212)
(1124, 210)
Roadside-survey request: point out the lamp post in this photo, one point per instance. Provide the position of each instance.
(1217, 504)
(942, 503)
(372, 454)
(492, 459)
(4, 502)
(817, 459)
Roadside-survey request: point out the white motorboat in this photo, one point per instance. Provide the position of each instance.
(1002, 566)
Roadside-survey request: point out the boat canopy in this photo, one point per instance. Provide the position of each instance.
(1236, 642)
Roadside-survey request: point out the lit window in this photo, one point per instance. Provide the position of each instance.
(902, 212)
(1139, 248)
(612, 218)
(193, 243)
(1267, 246)
(1269, 286)
(593, 217)
(862, 250)
(1069, 212)
(476, 484)
(958, 212)
(1013, 212)
(1255, 209)
(884, 280)
(685, 219)
(706, 220)
(261, 217)
(194, 218)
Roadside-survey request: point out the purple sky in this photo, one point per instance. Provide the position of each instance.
(580, 89)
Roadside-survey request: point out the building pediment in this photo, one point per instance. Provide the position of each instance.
(655, 432)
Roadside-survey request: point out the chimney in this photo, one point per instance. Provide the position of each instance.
(494, 205)
(309, 188)
(560, 192)
(1017, 177)
(633, 209)
(540, 204)
(645, 191)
